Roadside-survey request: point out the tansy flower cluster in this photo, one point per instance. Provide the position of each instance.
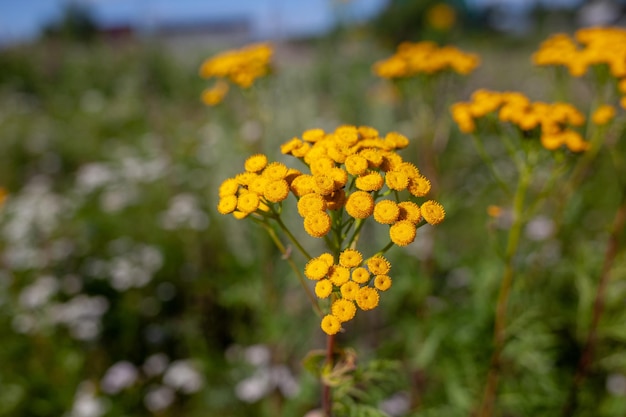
(593, 46)
(425, 57)
(353, 174)
(553, 120)
(240, 67)
(590, 46)
(350, 283)
(356, 173)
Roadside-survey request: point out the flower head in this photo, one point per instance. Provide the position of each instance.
(343, 309)
(330, 324)
(402, 233)
(367, 298)
(433, 212)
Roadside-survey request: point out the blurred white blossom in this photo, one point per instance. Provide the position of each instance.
(86, 403)
(183, 376)
(184, 212)
(121, 375)
(159, 398)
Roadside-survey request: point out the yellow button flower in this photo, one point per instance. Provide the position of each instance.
(338, 275)
(227, 204)
(360, 275)
(255, 163)
(248, 202)
(386, 211)
(316, 269)
(371, 181)
(276, 191)
(350, 258)
(275, 171)
(396, 180)
(323, 288)
(378, 265)
(603, 114)
(360, 205)
(409, 211)
(433, 212)
(367, 298)
(356, 164)
(228, 187)
(330, 325)
(343, 309)
(382, 282)
(317, 224)
(302, 185)
(402, 233)
(419, 186)
(349, 290)
(311, 203)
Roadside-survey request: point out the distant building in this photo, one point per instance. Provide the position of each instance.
(204, 33)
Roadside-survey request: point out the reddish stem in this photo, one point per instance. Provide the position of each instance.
(326, 394)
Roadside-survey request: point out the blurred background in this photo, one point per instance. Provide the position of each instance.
(124, 293)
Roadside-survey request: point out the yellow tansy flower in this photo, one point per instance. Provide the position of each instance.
(338, 275)
(226, 205)
(350, 258)
(402, 233)
(433, 212)
(275, 171)
(386, 211)
(327, 257)
(248, 202)
(360, 204)
(397, 180)
(378, 265)
(302, 185)
(311, 203)
(343, 309)
(276, 191)
(371, 181)
(330, 325)
(382, 282)
(324, 184)
(255, 163)
(228, 187)
(316, 269)
(317, 224)
(349, 290)
(419, 186)
(409, 211)
(323, 288)
(367, 298)
(360, 275)
(313, 135)
(356, 164)
(603, 114)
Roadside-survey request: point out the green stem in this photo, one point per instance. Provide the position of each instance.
(586, 358)
(491, 386)
(489, 162)
(292, 238)
(293, 266)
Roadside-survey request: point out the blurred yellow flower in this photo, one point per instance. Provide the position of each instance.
(3, 195)
(441, 16)
(603, 114)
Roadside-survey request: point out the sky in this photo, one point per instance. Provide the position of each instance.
(23, 19)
